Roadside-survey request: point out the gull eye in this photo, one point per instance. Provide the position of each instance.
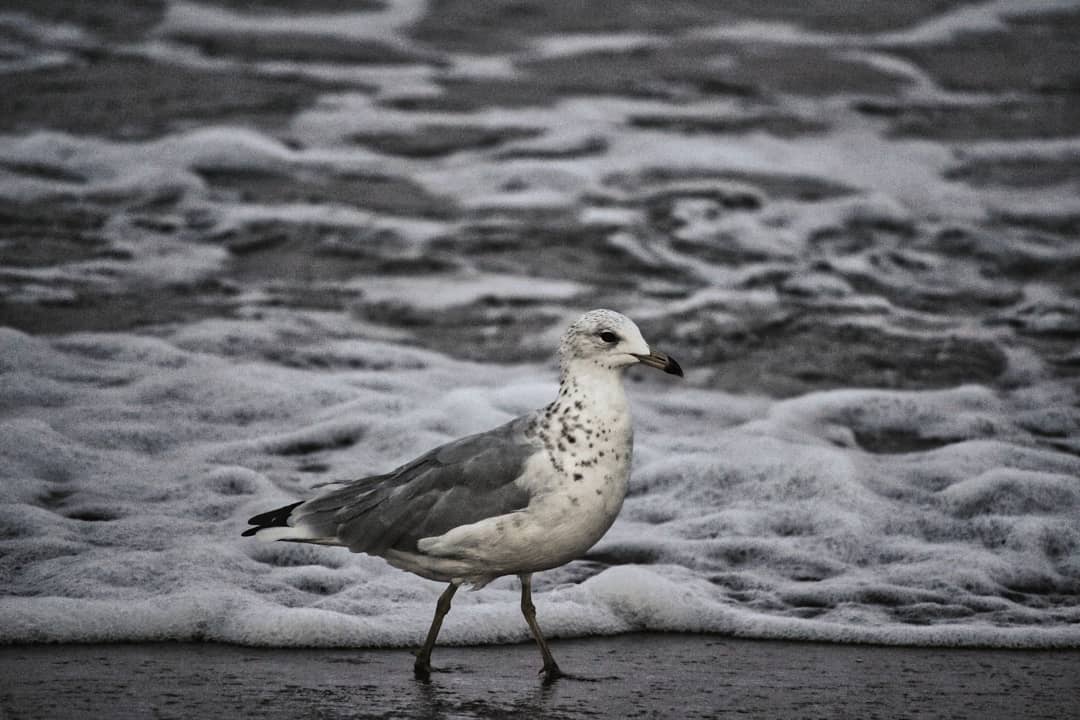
(609, 337)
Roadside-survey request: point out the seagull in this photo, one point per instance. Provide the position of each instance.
(524, 497)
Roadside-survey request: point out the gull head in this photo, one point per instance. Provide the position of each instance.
(609, 340)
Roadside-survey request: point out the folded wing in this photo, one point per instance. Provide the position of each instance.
(456, 484)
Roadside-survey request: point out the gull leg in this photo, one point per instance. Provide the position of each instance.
(551, 669)
(422, 667)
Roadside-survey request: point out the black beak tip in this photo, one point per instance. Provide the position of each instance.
(673, 368)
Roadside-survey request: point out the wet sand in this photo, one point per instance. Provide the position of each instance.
(632, 676)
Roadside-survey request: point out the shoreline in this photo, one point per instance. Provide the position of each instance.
(636, 675)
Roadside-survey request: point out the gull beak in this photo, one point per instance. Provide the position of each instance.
(661, 361)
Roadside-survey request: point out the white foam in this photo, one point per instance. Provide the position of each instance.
(132, 464)
(987, 16)
(53, 33)
(582, 43)
(460, 289)
(148, 169)
(983, 17)
(188, 17)
(908, 172)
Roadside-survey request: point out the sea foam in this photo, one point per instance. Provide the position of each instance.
(128, 488)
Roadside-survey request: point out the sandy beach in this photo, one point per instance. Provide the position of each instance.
(630, 676)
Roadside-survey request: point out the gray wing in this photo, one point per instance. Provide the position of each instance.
(459, 483)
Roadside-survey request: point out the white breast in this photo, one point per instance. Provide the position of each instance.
(588, 448)
(576, 486)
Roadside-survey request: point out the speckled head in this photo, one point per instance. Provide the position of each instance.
(607, 339)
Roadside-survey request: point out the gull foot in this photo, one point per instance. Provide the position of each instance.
(424, 670)
(551, 673)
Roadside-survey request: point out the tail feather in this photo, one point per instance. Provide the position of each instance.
(274, 519)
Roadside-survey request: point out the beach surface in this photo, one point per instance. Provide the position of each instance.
(630, 676)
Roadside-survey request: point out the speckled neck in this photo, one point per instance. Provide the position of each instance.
(588, 424)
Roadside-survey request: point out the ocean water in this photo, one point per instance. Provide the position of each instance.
(247, 249)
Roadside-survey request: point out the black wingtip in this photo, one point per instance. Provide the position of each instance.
(279, 517)
(671, 367)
